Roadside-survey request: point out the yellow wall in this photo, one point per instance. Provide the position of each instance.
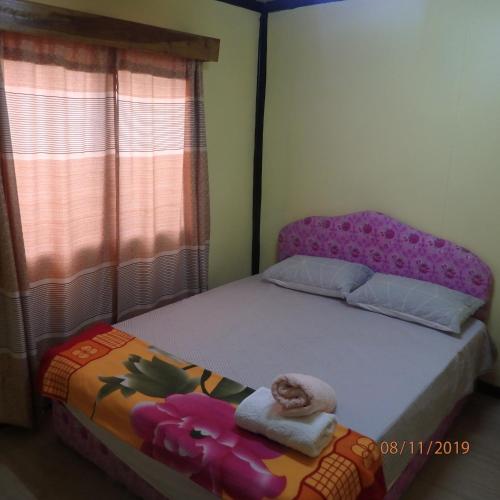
(230, 108)
(387, 105)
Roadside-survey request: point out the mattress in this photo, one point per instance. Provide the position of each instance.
(394, 380)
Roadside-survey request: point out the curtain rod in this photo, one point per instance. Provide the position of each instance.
(37, 19)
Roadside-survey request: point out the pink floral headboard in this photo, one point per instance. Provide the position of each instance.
(388, 246)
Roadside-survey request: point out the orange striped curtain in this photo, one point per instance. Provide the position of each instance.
(103, 195)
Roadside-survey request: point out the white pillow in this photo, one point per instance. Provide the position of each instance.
(318, 275)
(418, 301)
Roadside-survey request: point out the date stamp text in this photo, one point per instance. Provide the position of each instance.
(425, 447)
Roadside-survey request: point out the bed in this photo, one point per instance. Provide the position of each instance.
(395, 381)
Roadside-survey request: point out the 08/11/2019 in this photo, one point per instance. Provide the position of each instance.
(425, 447)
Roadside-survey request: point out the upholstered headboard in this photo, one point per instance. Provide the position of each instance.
(388, 246)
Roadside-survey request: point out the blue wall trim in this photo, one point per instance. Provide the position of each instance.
(246, 4)
(260, 106)
(277, 5)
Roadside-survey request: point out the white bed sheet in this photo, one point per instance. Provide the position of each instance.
(394, 380)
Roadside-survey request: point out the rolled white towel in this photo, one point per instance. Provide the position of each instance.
(260, 413)
(300, 395)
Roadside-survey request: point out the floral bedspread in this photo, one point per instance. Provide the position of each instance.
(183, 416)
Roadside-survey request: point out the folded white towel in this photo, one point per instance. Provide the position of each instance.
(301, 395)
(260, 413)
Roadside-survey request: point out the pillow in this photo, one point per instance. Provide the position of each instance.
(319, 275)
(418, 301)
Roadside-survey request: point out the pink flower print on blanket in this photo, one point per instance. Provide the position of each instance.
(196, 435)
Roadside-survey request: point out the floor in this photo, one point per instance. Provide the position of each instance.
(475, 476)
(37, 466)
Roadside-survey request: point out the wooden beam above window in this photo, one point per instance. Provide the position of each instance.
(37, 19)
